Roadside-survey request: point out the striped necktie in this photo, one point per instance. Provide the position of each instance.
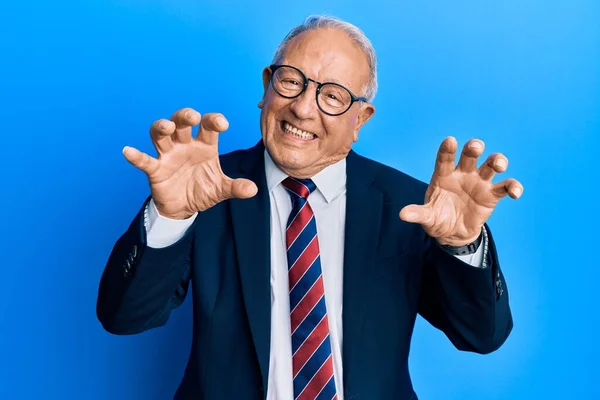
(311, 346)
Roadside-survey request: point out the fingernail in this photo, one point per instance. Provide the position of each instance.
(220, 121)
(517, 192)
(501, 163)
(188, 114)
(475, 145)
(163, 125)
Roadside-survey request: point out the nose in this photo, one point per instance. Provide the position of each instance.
(305, 105)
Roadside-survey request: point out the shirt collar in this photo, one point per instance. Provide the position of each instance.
(330, 181)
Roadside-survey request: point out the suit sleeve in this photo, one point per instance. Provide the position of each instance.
(470, 305)
(141, 285)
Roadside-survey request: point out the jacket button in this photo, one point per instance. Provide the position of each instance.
(499, 290)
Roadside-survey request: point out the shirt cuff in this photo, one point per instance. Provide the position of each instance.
(162, 231)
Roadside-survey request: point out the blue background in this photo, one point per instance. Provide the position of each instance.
(80, 80)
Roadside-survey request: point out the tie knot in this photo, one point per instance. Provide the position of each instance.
(299, 187)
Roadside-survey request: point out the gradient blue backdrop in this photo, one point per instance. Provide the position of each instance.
(80, 80)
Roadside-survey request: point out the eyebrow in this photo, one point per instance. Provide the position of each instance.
(336, 81)
(347, 86)
(327, 79)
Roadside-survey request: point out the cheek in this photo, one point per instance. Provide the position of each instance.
(352, 121)
(271, 112)
(267, 117)
(340, 132)
(274, 103)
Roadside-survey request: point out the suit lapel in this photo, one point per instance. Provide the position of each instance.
(363, 218)
(251, 227)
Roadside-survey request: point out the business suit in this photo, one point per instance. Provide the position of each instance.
(392, 271)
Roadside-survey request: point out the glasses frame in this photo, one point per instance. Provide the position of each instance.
(353, 97)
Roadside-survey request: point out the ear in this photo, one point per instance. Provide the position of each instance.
(266, 77)
(364, 114)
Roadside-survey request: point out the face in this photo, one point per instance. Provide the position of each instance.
(301, 139)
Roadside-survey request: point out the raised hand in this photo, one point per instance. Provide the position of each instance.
(460, 199)
(186, 177)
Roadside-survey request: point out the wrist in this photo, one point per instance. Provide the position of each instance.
(175, 216)
(462, 247)
(458, 242)
(180, 216)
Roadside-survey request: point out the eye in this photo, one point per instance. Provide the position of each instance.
(290, 82)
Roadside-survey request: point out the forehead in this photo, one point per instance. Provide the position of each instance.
(329, 55)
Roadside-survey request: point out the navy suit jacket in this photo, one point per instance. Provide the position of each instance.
(393, 271)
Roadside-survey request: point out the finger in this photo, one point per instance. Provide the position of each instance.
(495, 163)
(418, 214)
(140, 160)
(444, 163)
(470, 153)
(512, 187)
(184, 120)
(161, 132)
(210, 127)
(239, 188)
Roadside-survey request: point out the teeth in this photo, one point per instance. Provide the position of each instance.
(298, 132)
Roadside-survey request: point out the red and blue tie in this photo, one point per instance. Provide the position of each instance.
(311, 345)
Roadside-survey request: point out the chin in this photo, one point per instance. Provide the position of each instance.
(290, 158)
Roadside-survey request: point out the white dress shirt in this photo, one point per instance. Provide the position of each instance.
(328, 203)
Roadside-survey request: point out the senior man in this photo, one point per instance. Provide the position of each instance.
(308, 263)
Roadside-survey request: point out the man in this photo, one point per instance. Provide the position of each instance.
(308, 263)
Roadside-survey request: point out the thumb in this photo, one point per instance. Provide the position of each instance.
(140, 160)
(417, 214)
(241, 188)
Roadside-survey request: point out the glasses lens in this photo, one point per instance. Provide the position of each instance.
(334, 99)
(288, 82)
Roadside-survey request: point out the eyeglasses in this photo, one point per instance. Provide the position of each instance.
(332, 98)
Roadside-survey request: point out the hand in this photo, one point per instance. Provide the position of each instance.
(187, 177)
(459, 200)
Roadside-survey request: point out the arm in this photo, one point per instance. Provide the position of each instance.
(470, 305)
(147, 273)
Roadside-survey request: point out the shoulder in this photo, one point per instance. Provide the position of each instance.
(233, 158)
(234, 161)
(395, 185)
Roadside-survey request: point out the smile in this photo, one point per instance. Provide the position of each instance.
(297, 132)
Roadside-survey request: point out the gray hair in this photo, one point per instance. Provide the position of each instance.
(321, 21)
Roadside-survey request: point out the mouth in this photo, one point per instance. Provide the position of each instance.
(297, 133)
